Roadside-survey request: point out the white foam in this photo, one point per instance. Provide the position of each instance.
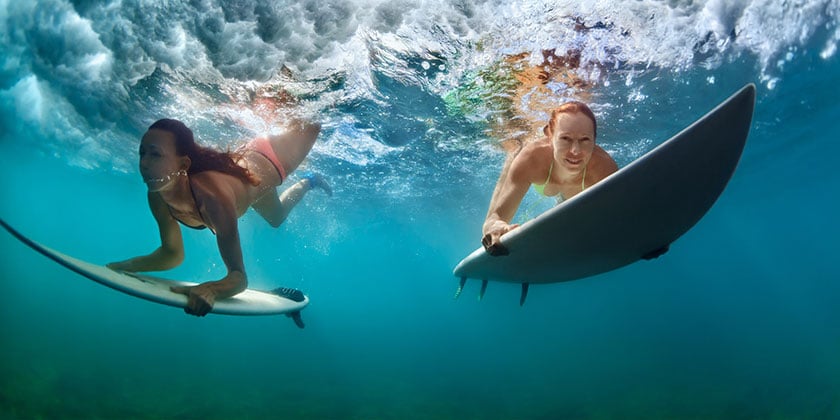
(771, 29)
(126, 40)
(26, 99)
(92, 57)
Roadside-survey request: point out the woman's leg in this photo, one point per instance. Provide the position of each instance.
(275, 209)
(293, 146)
(290, 148)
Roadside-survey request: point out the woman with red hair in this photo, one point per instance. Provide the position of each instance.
(561, 164)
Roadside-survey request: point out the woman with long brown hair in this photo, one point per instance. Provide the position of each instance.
(203, 188)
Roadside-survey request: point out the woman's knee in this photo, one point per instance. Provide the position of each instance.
(276, 217)
(311, 129)
(275, 222)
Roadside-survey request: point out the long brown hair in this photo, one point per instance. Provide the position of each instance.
(203, 158)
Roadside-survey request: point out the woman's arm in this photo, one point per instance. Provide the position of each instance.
(170, 254)
(216, 201)
(510, 190)
(602, 164)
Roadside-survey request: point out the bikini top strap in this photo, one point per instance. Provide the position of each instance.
(548, 178)
(583, 179)
(197, 210)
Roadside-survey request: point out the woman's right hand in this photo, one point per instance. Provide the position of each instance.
(120, 265)
(492, 239)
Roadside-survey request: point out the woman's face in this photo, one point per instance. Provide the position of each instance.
(159, 162)
(573, 138)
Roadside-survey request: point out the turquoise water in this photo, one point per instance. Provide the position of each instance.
(739, 320)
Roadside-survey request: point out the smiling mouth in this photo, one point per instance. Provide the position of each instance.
(574, 161)
(166, 178)
(151, 180)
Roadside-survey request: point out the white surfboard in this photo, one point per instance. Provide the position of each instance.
(635, 213)
(155, 289)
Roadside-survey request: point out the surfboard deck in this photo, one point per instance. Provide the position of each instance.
(634, 213)
(156, 289)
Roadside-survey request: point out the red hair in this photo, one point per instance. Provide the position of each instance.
(570, 108)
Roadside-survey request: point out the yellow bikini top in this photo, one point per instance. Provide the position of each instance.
(540, 188)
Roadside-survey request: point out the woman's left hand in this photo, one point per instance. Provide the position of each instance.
(492, 241)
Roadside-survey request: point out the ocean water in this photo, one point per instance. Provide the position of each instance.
(739, 320)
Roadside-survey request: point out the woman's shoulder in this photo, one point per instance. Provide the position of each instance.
(533, 161)
(602, 163)
(212, 184)
(212, 176)
(536, 151)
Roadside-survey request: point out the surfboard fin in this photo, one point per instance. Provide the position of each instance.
(483, 289)
(524, 293)
(460, 287)
(296, 317)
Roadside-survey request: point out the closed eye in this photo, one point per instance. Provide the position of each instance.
(152, 152)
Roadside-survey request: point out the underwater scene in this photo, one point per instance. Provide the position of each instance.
(419, 102)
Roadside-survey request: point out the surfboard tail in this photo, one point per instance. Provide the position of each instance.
(295, 295)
